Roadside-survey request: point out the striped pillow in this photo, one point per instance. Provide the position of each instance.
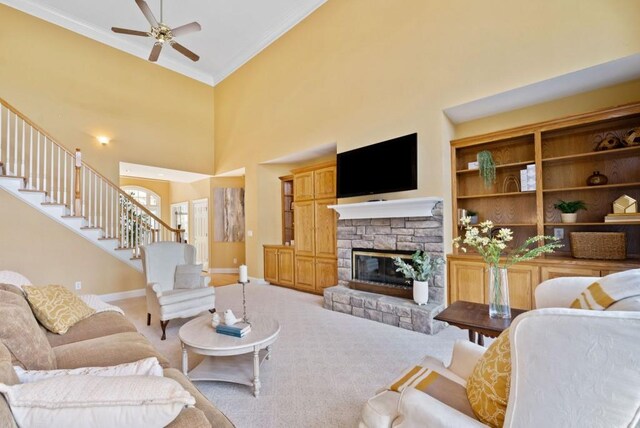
(608, 290)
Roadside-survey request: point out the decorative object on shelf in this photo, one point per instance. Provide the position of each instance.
(473, 165)
(622, 218)
(215, 319)
(473, 215)
(607, 142)
(597, 179)
(229, 317)
(487, 168)
(625, 204)
(632, 137)
(599, 245)
(569, 210)
(510, 184)
(491, 247)
(422, 269)
(462, 213)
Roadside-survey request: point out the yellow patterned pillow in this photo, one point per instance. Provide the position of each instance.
(56, 308)
(488, 385)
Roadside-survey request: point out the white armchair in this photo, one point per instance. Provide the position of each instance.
(570, 368)
(159, 261)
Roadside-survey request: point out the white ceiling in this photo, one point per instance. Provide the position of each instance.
(233, 31)
(155, 173)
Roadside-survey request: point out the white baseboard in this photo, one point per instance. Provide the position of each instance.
(223, 270)
(123, 295)
(259, 281)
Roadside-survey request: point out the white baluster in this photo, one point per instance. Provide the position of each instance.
(52, 169)
(38, 187)
(31, 157)
(59, 174)
(64, 180)
(101, 205)
(1, 135)
(72, 179)
(24, 143)
(15, 148)
(8, 158)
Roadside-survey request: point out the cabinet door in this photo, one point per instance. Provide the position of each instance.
(325, 229)
(325, 182)
(303, 186)
(467, 281)
(523, 280)
(285, 267)
(271, 265)
(550, 272)
(326, 274)
(305, 229)
(305, 273)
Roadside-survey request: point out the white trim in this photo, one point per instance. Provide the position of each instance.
(223, 270)
(88, 30)
(258, 281)
(415, 207)
(110, 297)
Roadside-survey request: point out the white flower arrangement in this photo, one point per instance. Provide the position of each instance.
(491, 245)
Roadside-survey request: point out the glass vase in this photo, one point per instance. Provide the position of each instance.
(499, 306)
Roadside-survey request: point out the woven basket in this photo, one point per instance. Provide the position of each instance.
(599, 245)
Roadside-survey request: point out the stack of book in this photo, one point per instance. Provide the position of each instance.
(528, 178)
(240, 329)
(622, 217)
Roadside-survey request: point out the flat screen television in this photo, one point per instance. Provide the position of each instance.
(389, 166)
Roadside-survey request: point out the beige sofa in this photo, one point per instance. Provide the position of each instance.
(103, 339)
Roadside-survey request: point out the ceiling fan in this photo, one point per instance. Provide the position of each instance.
(162, 33)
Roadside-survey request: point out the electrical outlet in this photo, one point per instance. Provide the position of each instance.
(235, 261)
(558, 232)
(78, 285)
(249, 233)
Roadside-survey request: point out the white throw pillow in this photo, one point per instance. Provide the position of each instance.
(145, 367)
(188, 276)
(97, 402)
(14, 278)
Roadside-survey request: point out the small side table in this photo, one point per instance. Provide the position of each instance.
(475, 318)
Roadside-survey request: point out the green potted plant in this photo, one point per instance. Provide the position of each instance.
(473, 215)
(487, 168)
(569, 210)
(421, 270)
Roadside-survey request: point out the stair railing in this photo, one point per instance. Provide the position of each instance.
(28, 152)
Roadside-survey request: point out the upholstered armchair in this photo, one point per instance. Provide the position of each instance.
(164, 301)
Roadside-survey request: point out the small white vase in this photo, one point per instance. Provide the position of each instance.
(569, 217)
(421, 292)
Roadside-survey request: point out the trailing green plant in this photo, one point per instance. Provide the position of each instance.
(471, 213)
(422, 267)
(492, 244)
(570, 207)
(487, 168)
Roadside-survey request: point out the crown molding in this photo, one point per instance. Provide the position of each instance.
(293, 18)
(88, 30)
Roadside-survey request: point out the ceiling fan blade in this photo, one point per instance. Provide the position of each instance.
(155, 52)
(129, 32)
(146, 10)
(184, 51)
(186, 29)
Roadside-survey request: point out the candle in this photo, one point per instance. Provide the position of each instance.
(244, 274)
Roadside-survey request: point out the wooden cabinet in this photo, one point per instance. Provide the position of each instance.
(305, 233)
(523, 280)
(326, 274)
(286, 184)
(470, 281)
(550, 272)
(326, 221)
(325, 182)
(303, 187)
(305, 273)
(279, 265)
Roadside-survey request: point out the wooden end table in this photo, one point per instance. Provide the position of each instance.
(475, 318)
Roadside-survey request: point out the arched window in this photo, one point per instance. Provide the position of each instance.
(150, 200)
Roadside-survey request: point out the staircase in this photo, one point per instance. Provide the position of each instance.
(40, 172)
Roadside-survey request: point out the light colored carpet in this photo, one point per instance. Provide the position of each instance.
(325, 364)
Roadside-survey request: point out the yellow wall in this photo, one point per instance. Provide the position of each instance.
(161, 187)
(361, 71)
(46, 252)
(76, 88)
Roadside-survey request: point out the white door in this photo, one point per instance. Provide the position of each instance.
(180, 218)
(200, 231)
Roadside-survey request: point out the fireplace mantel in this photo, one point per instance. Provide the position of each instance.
(414, 207)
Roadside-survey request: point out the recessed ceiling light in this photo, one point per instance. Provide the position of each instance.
(160, 175)
(103, 140)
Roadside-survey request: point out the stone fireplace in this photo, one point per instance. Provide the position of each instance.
(369, 235)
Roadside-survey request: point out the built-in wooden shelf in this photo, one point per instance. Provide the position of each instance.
(506, 165)
(604, 186)
(497, 195)
(601, 223)
(627, 151)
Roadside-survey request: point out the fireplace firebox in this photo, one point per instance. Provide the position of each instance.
(375, 271)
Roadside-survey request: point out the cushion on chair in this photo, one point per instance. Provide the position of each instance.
(181, 295)
(97, 325)
(629, 304)
(488, 385)
(107, 351)
(381, 410)
(190, 417)
(8, 376)
(18, 322)
(188, 276)
(56, 307)
(608, 290)
(13, 278)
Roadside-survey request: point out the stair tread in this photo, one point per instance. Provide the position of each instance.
(54, 203)
(73, 216)
(91, 228)
(107, 239)
(13, 176)
(33, 191)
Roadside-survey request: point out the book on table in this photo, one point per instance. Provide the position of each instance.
(239, 329)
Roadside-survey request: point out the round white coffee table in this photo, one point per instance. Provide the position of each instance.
(228, 358)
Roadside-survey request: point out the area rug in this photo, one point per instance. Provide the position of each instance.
(325, 364)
